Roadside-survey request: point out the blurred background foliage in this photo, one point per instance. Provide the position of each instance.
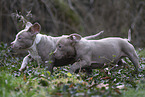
(86, 17)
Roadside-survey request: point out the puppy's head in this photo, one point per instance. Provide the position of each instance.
(24, 39)
(66, 46)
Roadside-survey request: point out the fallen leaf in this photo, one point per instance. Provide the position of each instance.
(59, 94)
(117, 90)
(90, 78)
(85, 83)
(106, 77)
(24, 78)
(101, 85)
(71, 85)
(92, 86)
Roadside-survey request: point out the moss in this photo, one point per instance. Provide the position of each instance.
(142, 53)
(65, 13)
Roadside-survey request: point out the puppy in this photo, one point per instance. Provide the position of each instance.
(95, 53)
(40, 46)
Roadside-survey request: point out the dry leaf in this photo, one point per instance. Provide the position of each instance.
(71, 85)
(106, 77)
(117, 90)
(24, 78)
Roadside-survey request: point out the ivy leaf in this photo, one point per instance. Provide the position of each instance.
(49, 73)
(69, 74)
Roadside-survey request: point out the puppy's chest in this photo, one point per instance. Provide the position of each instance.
(34, 53)
(45, 49)
(41, 51)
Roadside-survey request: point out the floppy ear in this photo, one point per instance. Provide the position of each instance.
(75, 37)
(35, 28)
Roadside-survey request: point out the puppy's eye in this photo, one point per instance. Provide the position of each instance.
(59, 46)
(19, 38)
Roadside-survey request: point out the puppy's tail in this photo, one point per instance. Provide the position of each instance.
(129, 35)
(94, 36)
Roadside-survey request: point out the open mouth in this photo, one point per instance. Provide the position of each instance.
(17, 48)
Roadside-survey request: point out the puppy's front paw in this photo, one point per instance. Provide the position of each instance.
(20, 70)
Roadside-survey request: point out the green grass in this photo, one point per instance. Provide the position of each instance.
(136, 92)
(142, 53)
(37, 82)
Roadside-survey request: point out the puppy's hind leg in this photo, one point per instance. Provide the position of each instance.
(89, 71)
(78, 65)
(86, 70)
(130, 52)
(134, 59)
(120, 64)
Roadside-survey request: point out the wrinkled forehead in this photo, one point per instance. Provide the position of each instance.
(22, 32)
(63, 41)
